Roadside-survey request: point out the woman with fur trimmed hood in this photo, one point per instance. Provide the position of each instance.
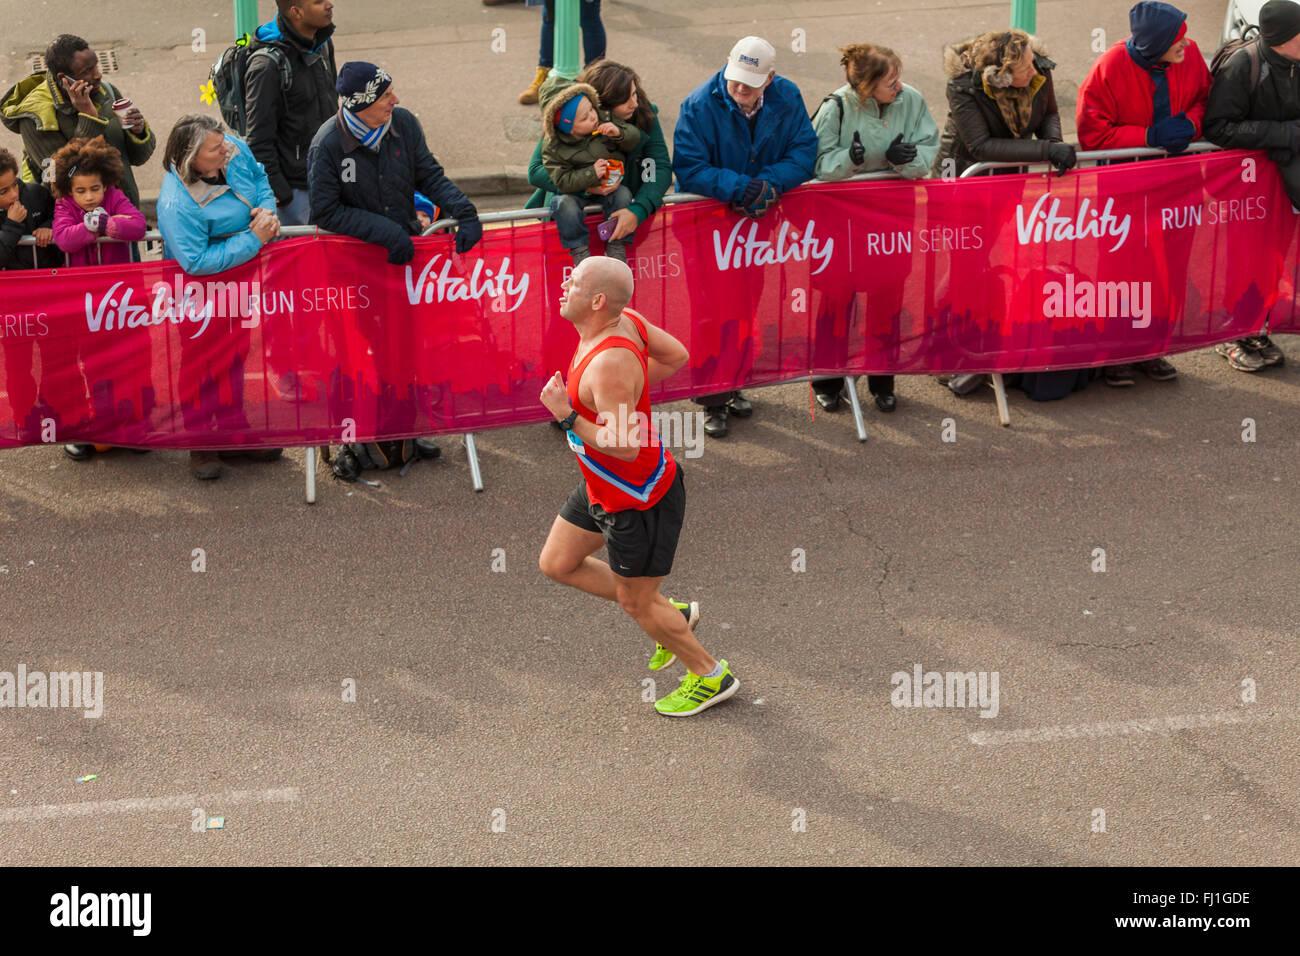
(582, 144)
(1002, 108)
(1001, 105)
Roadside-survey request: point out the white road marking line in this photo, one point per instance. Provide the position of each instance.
(1113, 728)
(184, 801)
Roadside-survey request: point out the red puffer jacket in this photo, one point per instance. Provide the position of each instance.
(1115, 101)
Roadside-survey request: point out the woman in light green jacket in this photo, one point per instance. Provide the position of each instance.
(873, 123)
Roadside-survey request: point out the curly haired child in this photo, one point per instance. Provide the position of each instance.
(90, 204)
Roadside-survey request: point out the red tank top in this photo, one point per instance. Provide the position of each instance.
(613, 484)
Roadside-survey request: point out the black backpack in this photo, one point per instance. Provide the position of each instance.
(839, 104)
(379, 456)
(1251, 42)
(227, 78)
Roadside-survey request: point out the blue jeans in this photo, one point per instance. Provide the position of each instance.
(296, 211)
(566, 210)
(593, 32)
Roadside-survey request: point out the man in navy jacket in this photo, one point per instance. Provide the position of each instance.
(744, 138)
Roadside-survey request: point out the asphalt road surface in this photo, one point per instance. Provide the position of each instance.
(499, 718)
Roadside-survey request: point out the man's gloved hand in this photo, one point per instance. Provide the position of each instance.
(900, 153)
(402, 253)
(1061, 155)
(857, 152)
(752, 192)
(769, 198)
(1173, 133)
(468, 233)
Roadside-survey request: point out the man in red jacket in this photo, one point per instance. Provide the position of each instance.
(1149, 90)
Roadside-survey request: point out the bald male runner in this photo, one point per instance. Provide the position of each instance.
(631, 499)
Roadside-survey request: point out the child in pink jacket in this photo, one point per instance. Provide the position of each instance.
(90, 205)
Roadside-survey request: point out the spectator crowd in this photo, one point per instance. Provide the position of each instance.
(311, 142)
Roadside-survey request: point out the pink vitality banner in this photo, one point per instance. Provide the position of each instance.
(319, 340)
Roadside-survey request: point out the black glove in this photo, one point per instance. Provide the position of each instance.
(468, 233)
(1173, 133)
(751, 193)
(770, 197)
(402, 253)
(857, 152)
(900, 153)
(1061, 155)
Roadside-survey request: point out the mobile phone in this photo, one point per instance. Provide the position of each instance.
(606, 229)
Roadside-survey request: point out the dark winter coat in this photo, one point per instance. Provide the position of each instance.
(977, 133)
(38, 202)
(376, 202)
(281, 123)
(1238, 118)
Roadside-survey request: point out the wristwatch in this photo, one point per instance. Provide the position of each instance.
(567, 423)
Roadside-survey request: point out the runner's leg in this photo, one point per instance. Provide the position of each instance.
(567, 558)
(641, 599)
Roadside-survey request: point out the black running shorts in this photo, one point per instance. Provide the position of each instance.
(641, 544)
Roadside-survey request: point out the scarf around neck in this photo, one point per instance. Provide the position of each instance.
(369, 138)
(1016, 104)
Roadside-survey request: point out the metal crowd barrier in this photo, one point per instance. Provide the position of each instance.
(1094, 156)
(543, 214)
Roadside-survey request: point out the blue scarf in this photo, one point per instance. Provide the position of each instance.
(1160, 108)
(370, 138)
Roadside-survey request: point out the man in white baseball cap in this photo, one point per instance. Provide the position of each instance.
(752, 63)
(743, 137)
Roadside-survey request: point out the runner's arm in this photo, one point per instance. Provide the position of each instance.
(614, 377)
(667, 355)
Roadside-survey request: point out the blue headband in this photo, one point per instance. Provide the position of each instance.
(568, 115)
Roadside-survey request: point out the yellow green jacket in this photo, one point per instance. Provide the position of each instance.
(42, 115)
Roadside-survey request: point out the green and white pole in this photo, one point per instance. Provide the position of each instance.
(1024, 15)
(568, 39)
(245, 18)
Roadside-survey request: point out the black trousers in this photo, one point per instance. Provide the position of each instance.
(876, 385)
(711, 401)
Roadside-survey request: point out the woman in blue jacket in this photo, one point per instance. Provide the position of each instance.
(216, 210)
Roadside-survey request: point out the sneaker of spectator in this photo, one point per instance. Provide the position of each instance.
(1263, 346)
(1119, 376)
(1239, 356)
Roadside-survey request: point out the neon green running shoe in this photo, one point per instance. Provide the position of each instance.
(696, 693)
(663, 656)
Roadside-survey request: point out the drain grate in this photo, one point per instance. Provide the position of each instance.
(107, 60)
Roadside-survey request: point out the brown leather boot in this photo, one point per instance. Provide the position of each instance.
(205, 465)
(529, 96)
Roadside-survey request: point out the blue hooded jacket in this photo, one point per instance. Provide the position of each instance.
(715, 154)
(214, 237)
